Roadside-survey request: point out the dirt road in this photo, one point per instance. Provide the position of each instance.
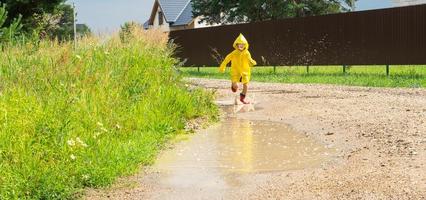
(361, 143)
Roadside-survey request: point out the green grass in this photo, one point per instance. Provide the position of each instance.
(71, 120)
(373, 76)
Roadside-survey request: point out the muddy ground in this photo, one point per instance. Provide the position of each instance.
(378, 136)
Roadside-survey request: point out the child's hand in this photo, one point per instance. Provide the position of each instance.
(222, 70)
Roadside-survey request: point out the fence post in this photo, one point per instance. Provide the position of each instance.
(387, 70)
(275, 69)
(74, 19)
(307, 69)
(344, 69)
(198, 68)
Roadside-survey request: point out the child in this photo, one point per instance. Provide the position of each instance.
(241, 62)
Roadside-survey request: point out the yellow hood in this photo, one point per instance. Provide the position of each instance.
(241, 40)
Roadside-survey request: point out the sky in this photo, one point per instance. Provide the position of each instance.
(108, 15)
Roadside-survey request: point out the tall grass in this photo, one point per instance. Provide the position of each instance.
(372, 76)
(75, 119)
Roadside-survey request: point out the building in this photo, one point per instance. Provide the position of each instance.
(170, 15)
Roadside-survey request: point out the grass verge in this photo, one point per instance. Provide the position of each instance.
(75, 119)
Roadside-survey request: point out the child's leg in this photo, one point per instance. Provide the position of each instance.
(243, 94)
(234, 87)
(245, 88)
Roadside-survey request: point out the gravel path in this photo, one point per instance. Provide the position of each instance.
(379, 134)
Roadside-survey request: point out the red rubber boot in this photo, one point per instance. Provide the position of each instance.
(242, 99)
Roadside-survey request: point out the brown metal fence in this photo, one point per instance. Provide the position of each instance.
(394, 36)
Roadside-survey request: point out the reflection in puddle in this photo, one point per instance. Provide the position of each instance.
(254, 146)
(214, 157)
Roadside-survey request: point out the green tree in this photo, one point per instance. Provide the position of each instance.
(28, 9)
(351, 4)
(235, 11)
(83, 30)
(63, 28)
(8, 33)
(42, 18)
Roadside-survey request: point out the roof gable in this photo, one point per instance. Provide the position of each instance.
(172, 9)
(185, 17)
(176, 12)
(153, 13)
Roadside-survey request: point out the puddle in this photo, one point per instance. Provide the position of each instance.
(217, 158)
(245, 146)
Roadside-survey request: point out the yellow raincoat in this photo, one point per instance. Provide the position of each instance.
(241, 62)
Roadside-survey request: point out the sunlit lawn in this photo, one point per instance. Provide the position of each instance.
(375, 76)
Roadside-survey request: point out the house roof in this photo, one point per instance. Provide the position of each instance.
(173, 8)
(176, 12)
(146, 24)
(185, 17)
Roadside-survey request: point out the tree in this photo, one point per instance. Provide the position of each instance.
(28, 9)
(7, 33)
(83, 30)
(351, 4)
(43, 18)
(64, 26)
(59, 24)
(236, 11)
